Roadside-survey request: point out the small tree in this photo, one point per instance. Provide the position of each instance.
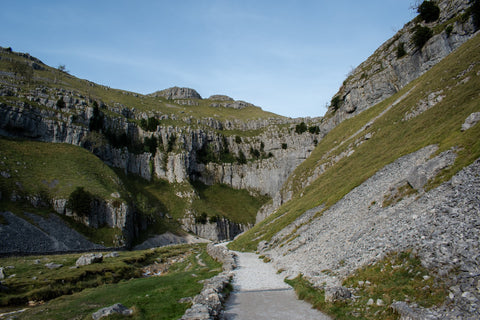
(421, 36)
(301, 128)
(401, 50)
(428, 11)
(80, 201)
(335, 103)
(476, 14)
(62, 68)
(61, 103)
(241, 158)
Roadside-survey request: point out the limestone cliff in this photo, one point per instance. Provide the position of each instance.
(399, 61)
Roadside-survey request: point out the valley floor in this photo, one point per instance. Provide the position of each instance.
(260, 293)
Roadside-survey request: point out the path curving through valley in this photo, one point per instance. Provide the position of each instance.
(260, 293)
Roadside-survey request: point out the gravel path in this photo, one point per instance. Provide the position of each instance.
(260, 293)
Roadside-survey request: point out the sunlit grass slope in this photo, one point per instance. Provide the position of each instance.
(457, 78)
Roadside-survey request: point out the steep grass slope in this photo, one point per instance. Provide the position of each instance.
(358, 147)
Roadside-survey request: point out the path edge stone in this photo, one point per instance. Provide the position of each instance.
(209, 303)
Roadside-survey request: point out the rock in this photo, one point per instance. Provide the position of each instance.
(2, 274)
(90, 258)
(177, 93)
(220, 97)
(471, 120)
(185, 300)
(333, 294)
(5, 174)
(113, 254)
(115, 309)
(380, 302)
(52, 265)
(370, 302)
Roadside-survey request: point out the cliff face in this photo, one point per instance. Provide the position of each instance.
(256, 154)
(389, 69)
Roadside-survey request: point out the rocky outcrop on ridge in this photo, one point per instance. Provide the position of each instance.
(177, 93)
(386, 72)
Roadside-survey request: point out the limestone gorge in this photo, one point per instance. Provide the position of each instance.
(384, 187)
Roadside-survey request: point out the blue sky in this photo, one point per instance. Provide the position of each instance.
(289, 57)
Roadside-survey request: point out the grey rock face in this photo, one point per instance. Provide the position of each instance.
(115, 309)
(383, 74)
(2, 274)
(177, 93)
(221, 230)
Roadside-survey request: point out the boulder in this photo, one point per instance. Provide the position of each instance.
(333, 294)
(117, 308)
(90, 258)
(2, 275)
(471, 120)
(113, 254)
(52, 265)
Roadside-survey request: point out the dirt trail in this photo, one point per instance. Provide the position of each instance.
(260, 293)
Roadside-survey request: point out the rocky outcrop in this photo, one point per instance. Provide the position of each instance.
(177, 93)
(220, 230)
(88, 259)
(116, 309)
(386, 71)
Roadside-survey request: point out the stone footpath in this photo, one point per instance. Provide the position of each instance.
(261, 293)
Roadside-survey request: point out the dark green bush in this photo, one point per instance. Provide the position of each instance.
(80, 201)
(241, 158)
(335, 103)
(171, 142)
(238, 139)
(61, 103)
(428, 11)
(203, 218)
(421, 36)
(314, 129)
(255, 153)
(150, 145)
(448, 30)
(149, 124)
(401, 50)
(301, 128)
(96, 121)
(476, 14)
(284, 146)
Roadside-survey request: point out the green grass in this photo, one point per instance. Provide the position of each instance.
(151, 298)
(397, 277)
(222, 201)
(53, 169)
(392, 138)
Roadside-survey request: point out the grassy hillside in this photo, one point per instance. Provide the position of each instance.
(75, 293)
(456, 78)
(54, 78)
(53, 170)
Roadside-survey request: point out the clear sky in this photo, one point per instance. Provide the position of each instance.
(288, 57)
